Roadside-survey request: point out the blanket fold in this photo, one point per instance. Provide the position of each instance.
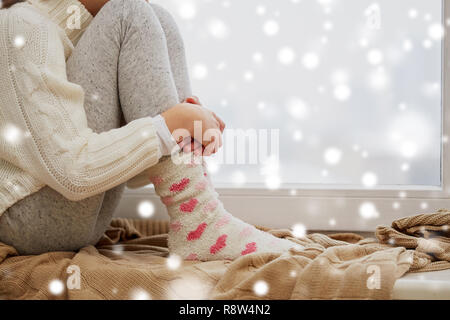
(427, 234)
(132, 261)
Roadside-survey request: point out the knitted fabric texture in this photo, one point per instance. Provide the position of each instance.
(44, 136)
(201, 228)
(132, 258)
(427, 234)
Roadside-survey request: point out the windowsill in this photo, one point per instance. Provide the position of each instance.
(433, 285)
(316, 210)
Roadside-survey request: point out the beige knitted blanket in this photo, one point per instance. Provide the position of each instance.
(130, 262)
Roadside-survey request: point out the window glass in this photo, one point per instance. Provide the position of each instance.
(353, 86)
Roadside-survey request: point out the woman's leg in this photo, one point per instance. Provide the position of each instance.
(151, 51)
(201, 228)
(178, 64)
(46, 221)
(176, 50)
(130, 62)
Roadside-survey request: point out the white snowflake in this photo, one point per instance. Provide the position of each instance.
(146, 209)
(217, 28)
(332, 156)
(273, 182)
(369, 179)
(378, 79)
(238, 178)
(187, 10)
(310, 60)
(271, 27)
(199, 71)
(260, 10)
(328, 25)
(12, 134)
(413, 13)
(286, 55)
(299, 230)
(368, 211)
(174, 262)
(258, 57)
(261, 288)
(375, 56)
(297, 108)
(139, 294)
(436, 31)
(342, 92)
(19, 41)
(407, 45)
(56, 287)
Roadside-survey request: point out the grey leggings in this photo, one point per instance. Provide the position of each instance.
(131, 64)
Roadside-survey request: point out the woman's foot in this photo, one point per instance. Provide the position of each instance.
(200, 227)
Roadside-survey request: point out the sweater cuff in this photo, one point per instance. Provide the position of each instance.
(167, 142)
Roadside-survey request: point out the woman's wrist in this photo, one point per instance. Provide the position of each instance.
(167, 142)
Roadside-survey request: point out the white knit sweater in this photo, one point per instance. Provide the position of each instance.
(44, 137)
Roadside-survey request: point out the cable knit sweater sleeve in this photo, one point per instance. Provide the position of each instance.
(47, 119)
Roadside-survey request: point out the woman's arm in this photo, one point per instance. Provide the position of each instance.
(56, 146)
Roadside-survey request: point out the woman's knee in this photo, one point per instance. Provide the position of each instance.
(135, 13)
(170, 27)
(124, 17)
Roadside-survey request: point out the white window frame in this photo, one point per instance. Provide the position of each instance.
(320, 207)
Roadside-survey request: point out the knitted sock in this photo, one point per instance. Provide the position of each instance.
(200, 227)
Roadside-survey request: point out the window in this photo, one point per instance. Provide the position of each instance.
(348, 96)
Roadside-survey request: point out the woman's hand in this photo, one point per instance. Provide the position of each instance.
(182, 121)
(189, 145)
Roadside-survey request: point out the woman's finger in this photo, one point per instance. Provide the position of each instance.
(214, 146)
(198, 151)
(220, 141)
(197, 100)
(209, 149)
(218, 137)
(197, 147)
(218, 144)
(187, 148)
(193, 100)
(185, 144)
(221, 123)
(181, 137)
(190, 100)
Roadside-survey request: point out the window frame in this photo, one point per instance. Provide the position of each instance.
(316, 205)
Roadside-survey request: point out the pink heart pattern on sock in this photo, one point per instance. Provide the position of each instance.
(156, 180)
(192, 257)
(223, 221)
(180, 186)
(246, 232)
(249, 248)
(167, 200)
(201, 185)
(210, 206)
(189, 206)
(193, 163)
(176, 226)
(197, 233)
(221, 243)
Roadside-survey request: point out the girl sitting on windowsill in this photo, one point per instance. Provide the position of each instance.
(89, 104)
